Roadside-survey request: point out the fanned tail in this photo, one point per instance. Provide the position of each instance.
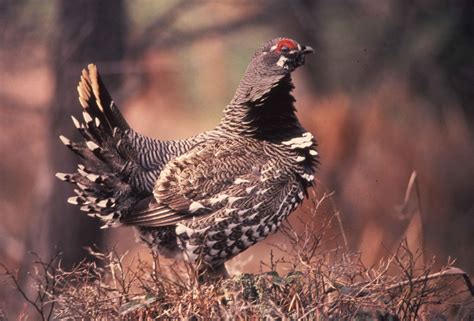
(108, 180)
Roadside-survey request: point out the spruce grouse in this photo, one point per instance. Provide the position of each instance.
(209, 197)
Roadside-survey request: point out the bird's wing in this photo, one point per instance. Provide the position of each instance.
(217, 179)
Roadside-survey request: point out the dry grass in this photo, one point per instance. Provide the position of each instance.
(319, 283)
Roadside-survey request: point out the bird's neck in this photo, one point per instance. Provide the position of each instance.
(263, 110)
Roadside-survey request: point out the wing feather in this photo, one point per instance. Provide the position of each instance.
(214, 178)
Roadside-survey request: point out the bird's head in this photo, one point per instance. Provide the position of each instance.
(282, 55)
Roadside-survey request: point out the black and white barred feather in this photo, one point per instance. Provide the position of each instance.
(118, 167)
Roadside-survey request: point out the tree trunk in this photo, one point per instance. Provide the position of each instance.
(91, 31)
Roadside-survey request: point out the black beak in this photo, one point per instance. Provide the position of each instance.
(306, 50)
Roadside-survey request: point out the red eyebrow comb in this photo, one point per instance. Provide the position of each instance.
(285, 42)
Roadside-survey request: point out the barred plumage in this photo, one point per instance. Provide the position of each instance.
(209, 197)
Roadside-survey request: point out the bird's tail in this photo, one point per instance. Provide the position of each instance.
(104, 176)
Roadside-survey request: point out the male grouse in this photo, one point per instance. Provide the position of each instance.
(209, 197)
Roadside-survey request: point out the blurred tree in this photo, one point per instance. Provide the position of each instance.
(90, 31)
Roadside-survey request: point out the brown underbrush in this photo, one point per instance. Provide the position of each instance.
(313, 281)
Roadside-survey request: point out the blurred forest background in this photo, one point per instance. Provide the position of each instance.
(389, 90)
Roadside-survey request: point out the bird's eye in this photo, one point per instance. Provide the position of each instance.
(285, 46)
